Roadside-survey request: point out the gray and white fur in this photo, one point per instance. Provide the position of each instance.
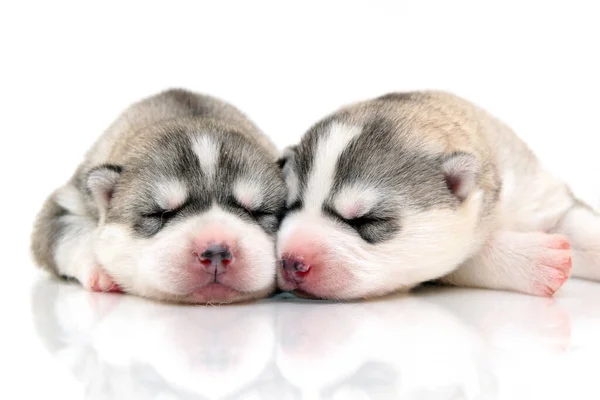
(411, 187)
(178, 200)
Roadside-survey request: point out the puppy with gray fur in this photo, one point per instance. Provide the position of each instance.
(178, 200)
(411, 187)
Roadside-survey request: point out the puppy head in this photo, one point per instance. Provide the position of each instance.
(370, 212)
(191, 216)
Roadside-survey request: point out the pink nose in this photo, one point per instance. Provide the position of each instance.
(295, 269)
(215, 259)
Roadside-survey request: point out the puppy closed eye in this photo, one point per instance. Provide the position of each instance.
(372, 228)
(253, 212)
(269, 219)
(150, 223)
(164, 214)
(364, 220)
(295, 206)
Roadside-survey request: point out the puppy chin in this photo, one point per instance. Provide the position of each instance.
(204, 289)
(352, 289)
(211, 293)
(217, 293)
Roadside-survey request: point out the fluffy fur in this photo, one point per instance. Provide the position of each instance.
(410, 187)
(155, 191)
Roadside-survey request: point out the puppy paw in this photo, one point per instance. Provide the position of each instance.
(552, 264)
(100, 281)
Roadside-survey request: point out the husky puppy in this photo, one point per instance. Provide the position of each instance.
(411, 187)
(178, 200)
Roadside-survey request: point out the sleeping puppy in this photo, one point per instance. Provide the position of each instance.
(178, 200)
(411, 187)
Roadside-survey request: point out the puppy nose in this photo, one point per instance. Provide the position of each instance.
(215, 259)
(295, 268)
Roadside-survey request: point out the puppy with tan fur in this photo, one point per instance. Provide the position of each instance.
(412, 187)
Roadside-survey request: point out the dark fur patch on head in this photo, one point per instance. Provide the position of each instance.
(405, 178)
(238, 159)
(377, 158)
(171, 158)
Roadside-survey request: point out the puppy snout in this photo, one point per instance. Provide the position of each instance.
(295, 268)
(215, 259)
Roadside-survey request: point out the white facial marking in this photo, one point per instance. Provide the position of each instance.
(355, 201)
(207, 151)
(171, 194)
(248, 194)
(159, 266)
(321, 176)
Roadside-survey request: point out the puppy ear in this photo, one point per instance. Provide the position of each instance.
(286, 156)
(100, 183)
(461, 171)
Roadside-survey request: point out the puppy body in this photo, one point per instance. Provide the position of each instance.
(179, 199)
(410, 187)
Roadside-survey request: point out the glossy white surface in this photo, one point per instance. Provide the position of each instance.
(435, 343)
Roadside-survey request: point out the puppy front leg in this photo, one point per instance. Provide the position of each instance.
(534, 263)
(62, 241)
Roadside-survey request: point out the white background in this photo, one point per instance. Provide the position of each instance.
(68, 68)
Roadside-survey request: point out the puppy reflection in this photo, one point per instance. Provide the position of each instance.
(508, 321)
(443, 343)
(527, 338)
(126, 347)
(400, 347)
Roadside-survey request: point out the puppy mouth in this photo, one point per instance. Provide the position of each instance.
(298, 290)
(215, 292)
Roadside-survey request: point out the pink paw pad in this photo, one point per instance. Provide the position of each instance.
(554, 267)
(100, 281)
